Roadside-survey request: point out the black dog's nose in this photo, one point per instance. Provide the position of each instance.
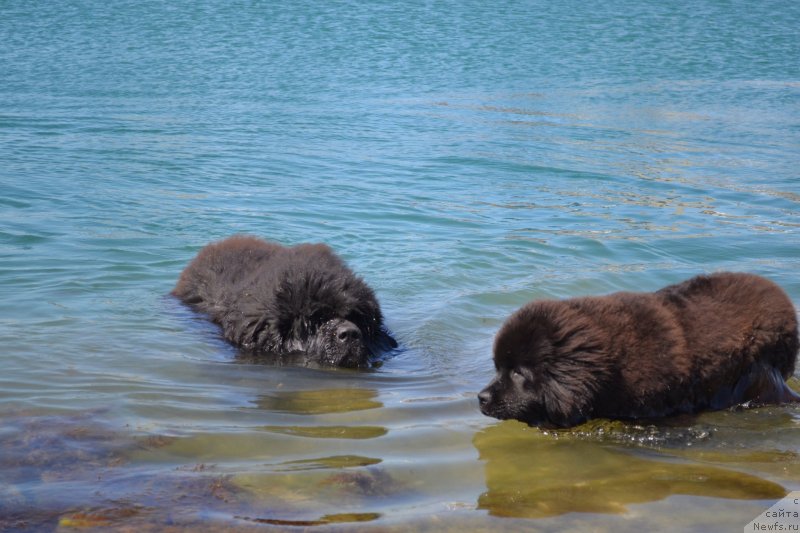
(348, 332)
(484, 397)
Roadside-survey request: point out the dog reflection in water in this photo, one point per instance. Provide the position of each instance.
(530, 474)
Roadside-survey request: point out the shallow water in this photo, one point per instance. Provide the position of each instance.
(463, 158)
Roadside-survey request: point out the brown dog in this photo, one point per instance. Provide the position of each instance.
(707, 343)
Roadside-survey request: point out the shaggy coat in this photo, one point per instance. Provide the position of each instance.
(301, 301)
(707, 343)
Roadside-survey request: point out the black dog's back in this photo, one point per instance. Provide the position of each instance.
(220, 270)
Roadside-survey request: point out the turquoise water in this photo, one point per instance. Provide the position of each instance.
(464, 158)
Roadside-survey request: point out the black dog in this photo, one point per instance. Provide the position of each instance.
(707, 343)
(301, 302)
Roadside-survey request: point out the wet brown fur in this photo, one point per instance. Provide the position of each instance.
(707, 343)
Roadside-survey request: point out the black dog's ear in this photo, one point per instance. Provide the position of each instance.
(382, 342)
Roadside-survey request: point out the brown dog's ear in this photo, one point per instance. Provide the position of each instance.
(572, 377)
(567, 400)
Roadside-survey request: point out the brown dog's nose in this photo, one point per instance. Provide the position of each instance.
(348, 331)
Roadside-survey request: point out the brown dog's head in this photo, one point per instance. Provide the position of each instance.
(550, 365)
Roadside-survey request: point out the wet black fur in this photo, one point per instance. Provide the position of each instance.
(707, 343)
(278, 300)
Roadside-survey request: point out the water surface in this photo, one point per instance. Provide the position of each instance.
(462, 157)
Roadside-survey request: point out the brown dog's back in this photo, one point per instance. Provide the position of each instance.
(743, 332)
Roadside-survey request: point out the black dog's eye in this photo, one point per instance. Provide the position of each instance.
(516, 374)
(316, 318)
(359, 320)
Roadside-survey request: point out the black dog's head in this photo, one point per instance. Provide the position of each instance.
(339, 342)
(318, 311)
(326, 337)
(549, 367)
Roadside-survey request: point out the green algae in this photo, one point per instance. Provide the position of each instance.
(330, 432)
(531, 474)
(321, 401)
(336, 461)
